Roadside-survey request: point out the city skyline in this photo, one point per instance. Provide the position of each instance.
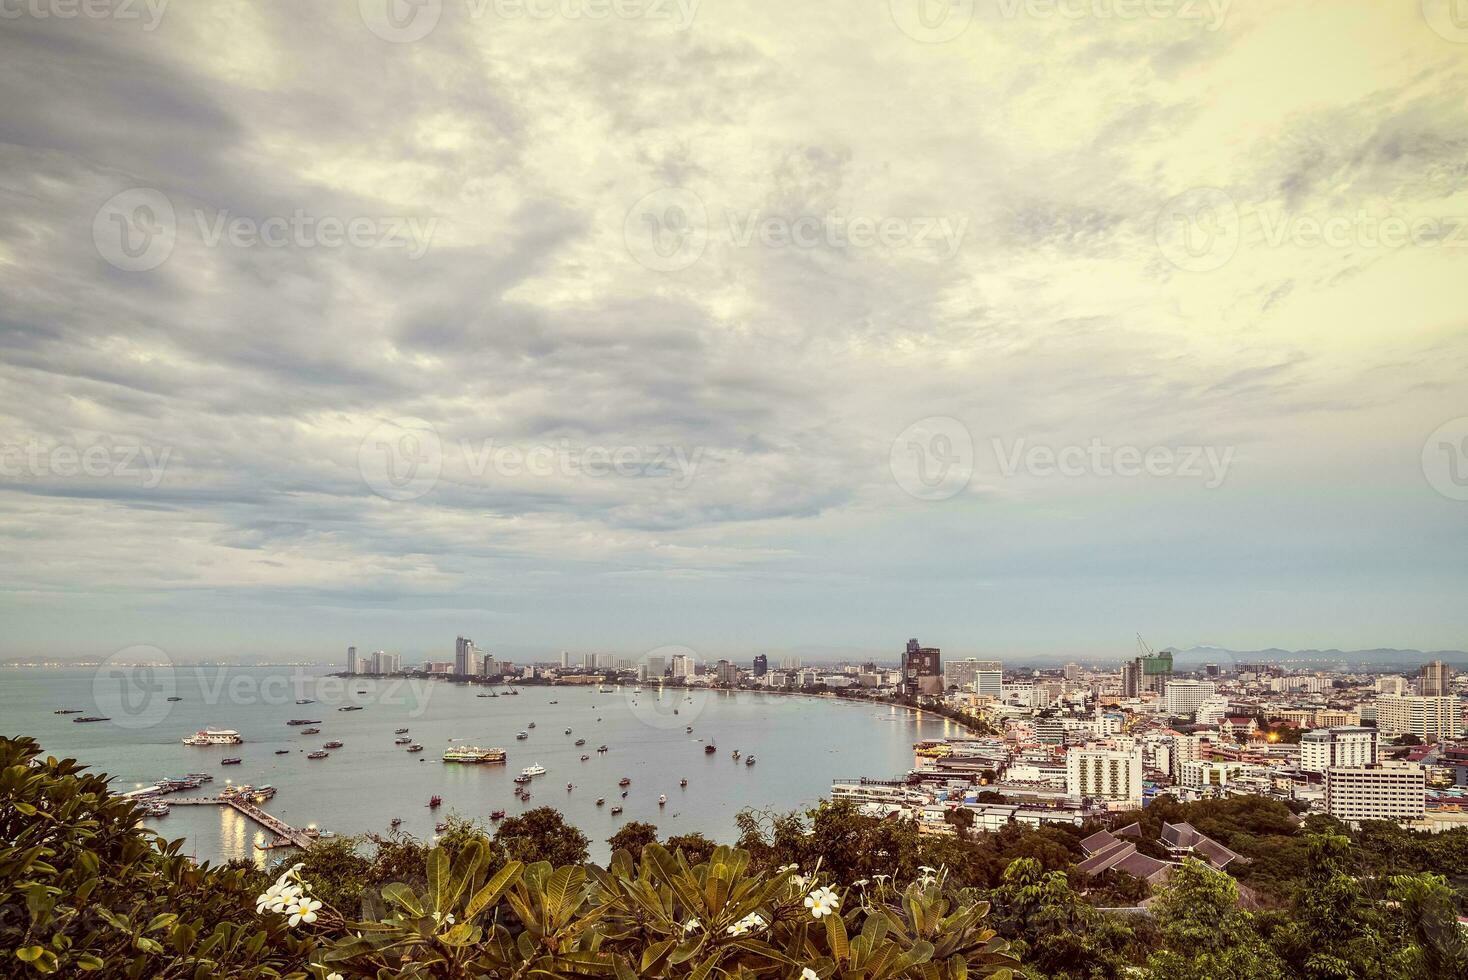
(733, 326)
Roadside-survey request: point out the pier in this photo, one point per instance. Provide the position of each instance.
(288, 836)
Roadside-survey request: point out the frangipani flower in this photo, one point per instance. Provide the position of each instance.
(805, 974)
(334, 976)
(303, 909)
(751, 921)
(822, 901)
(691, 925)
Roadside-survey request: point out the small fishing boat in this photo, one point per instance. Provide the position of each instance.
(601, 748)
(282, 751)
(616, 810)
(400, 731)
(531, 725)
(568, 731)
(749, 761)
(440, 827)
(497, 815)
(402, 741)
(318, 754)
(585, 757)
(683, 783)
(310, 731)
(522, 736)
(569, 787)
(581, 741)
(736, 755)
(229, 762)
(396, 822)
(624, 781)
(600, 801)
(332, 745)
(710, 749)
(434, 802)
(662, 800)
(415, 747)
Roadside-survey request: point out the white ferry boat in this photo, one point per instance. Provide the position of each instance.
(535, 770)
(473, 754)
(214, 736)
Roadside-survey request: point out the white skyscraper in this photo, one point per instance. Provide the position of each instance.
(1347, 746)
(466, 657)
(351, 660)
(1184, 697)
(1106, 774)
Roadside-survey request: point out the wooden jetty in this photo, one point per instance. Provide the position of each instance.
(287, 836)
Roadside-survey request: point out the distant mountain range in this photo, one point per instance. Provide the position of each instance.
(1380, 657)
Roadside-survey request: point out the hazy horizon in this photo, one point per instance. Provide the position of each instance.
(1021, 327)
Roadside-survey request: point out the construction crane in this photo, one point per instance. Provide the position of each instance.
(1142, 646)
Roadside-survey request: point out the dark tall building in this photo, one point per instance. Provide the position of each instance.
(1147, 673)
(761, 665)
(922, 670)
(1435, 679)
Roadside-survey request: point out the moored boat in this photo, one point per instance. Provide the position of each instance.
(473, 754)
(533, 770)
(318, 754)
(332, 745)
(229, 762)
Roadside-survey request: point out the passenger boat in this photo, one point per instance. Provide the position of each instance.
(473, 754)
(400, 731)
(304, 721)
(434, 802)
(155, 808)
(402, 741)
(531, 725)
(533, 770)
(601, 748)
(229, 762)
(89, 718)
(200, 777)
(318, 754)
(624, 781)
(332, 745)
(351, 707)
(522, 779)
(522, 736)
(585, 757)
(310, 731)
(581, 741)
(415, 747)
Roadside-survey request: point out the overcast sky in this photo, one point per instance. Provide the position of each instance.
(744, 326)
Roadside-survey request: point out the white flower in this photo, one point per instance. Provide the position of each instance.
(861, 882)
(302, 910)
(788, 867)
(805, 974)
(751, 921)
(822, 901)
(338, 976)
(277, 897)
(691, 925)
(801, 882)
(926, 871)
(444, 920)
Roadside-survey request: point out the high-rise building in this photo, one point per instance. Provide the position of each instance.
(351, 660)
(566, 658)
(1350, 747)
(1107, 774)
(1146, 673)
(1072, 671)
(922, 670)
(726, 673)
(1394, 791)
(683, 666)
(761, 665)
(606, 661)
(385, 663)
(1431, 719)
(1434, 679)
(984, 677)
(1185, 697)
(466, 658)
(1391, 685)
(656, 667)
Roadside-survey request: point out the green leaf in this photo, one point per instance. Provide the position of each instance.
(492, 891)
(438, 880)
(836, 936)
(404, 898)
